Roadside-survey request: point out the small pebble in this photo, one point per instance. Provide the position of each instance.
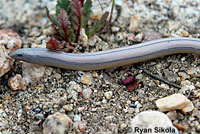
(32, 72)
(130, 36)
(175, 101)
(82, 126)
(181, 127)
(194, 72)
(115, 29)
(188, 108)
(80, 109)
(86, 79)
(83, 39)
(17, 83)
(57, 124)
(139, 77)
(123, 126)
(149, 36)
(139, 37)
(152, 119)
(182, 32)
(67, 108)
(197, 84)
(119, 36)
(183, 75)
(92, 40)
(172, 115)
(77, 118)
(134, 23)
(164, 86)
(6, 61)
(87, 93)
(108, 94)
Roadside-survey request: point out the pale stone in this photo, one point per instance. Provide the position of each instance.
(188, 108)
(87, 93)
(151, 120)
(86, 79)
(83, 39)
(197, 84)
(6, 61)
(10, 39)
(9, 42)
(172, 115)
(57, 124)
(139, 37)
(175, 101)
(108, 94)
(172, 102)
(17, 83)
(183, 75)
(194, 72)
(164, 86)
(82, 126)
(32, 72)
(67, 108)
(134, 23)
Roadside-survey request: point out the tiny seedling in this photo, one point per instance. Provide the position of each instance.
(70, 17)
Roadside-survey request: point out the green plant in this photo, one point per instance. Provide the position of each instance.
(70, 17)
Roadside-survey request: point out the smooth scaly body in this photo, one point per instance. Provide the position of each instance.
(110, 58)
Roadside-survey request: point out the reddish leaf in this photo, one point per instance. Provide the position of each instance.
(82, 3)
(77, 11)
(131, 83)
(64, 23)
(53, 45)
(63, 18)
(128, 80)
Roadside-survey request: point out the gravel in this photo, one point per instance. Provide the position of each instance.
(106, 106)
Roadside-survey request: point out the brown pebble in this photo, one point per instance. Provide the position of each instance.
(17, 83)
(181, 127)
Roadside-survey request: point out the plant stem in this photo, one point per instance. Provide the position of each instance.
(113, 4)
(79, 26)
(67, 38)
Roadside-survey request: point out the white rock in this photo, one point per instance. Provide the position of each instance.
(92, 40)
(115, 29)
(87, 93)
(197, 84)
(68, 108)
(6, 61)
(188, 108)
(195, 72)
(172, 102)
(17, 83)
(32, 72)
(77, 118)
(139, 77)
(72, 94)
(108, 94)
(83, 39)
(11, 40)
(186, 85)
(183, 75)
(57, 124)
(74, 86)
(139, 37)
(152, 120)
(172, 115)
(86, 78)
(134, 23)
(164, 86)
